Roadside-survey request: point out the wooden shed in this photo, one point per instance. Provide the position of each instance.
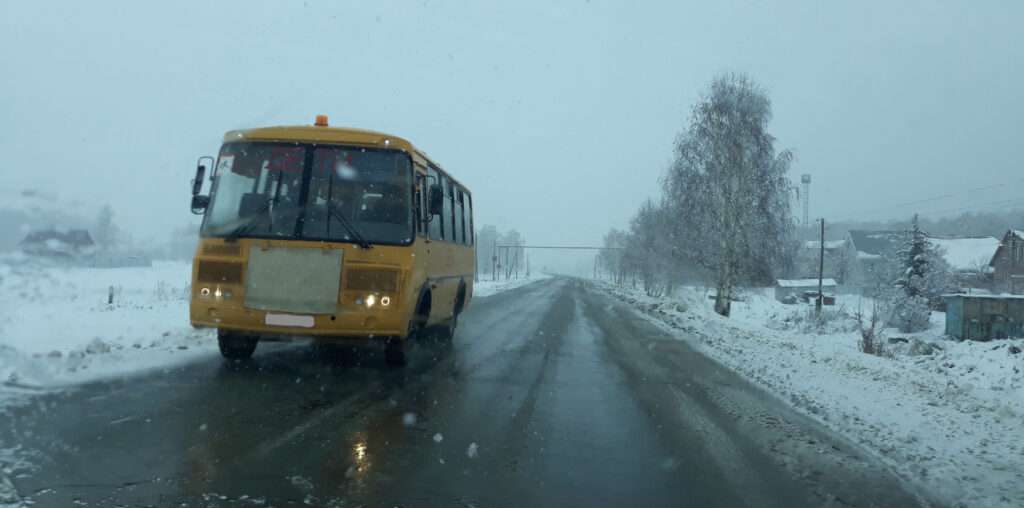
(984, 317)
(792, 290)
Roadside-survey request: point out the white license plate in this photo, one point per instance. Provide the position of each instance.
(289, 320)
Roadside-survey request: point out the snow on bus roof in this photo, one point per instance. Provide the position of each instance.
(799, 283)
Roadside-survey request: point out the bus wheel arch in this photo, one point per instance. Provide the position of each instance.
(421, 315)
(460, 299)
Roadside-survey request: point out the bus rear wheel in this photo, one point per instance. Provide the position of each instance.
(235, 346)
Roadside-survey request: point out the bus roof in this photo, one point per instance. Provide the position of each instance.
(318, 134)
(338, 135)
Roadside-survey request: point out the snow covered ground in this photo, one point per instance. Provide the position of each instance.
(488, 287)
(58, 329)
(950, 420)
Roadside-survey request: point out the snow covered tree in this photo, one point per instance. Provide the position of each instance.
(650, 249)
(612, 259)
(512, 259)
(485, 240)
(727, 188)
(922, 275)
(105, 233)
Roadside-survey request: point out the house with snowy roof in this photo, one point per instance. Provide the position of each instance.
(809, 259)
(968, 257)
(865, 256)
(1007, 263)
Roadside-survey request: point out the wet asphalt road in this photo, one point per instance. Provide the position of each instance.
(550, 395)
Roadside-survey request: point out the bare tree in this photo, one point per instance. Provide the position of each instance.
(486, 239)
(727, 188)
(613, 259)
(870, 327)
(650, 249)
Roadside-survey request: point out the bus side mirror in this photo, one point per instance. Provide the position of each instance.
(197, 183)
(435, 200)
(199, 202)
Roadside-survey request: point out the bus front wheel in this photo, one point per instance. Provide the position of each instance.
(234, 346)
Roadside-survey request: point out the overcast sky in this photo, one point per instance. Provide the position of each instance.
(560, 116)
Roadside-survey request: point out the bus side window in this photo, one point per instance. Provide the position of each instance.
(436, 227)
(469, 212)
(447, 218)
(451, 211)
(460, 216)
(417, 202)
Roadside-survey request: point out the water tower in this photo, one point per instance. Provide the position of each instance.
(805, 179)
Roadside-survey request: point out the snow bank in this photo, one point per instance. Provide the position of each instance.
(488, 288)
(57, 327)
(950, 420)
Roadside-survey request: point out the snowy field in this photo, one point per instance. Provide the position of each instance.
(944, 414)
(57, 329)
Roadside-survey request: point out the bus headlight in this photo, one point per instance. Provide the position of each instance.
(205, 293)
(371, 300)
(385, 301)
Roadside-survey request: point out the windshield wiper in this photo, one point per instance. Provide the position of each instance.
(249, 225)
(352, 231)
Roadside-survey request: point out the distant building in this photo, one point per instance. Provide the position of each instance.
(836, 264)
(984, 317)
(1007, 264)
(57, 244)
(969, 258)
(865, 256)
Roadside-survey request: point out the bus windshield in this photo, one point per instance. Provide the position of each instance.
(311, 192)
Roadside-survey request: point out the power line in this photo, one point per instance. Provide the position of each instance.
(997, 204)
(872, 211)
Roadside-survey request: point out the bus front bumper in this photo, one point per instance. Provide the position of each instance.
(366, 324)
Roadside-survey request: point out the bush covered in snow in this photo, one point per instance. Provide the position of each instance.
(805, 319)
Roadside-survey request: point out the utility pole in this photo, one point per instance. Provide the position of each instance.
(508, 267)
(821, 267)
(494, 260)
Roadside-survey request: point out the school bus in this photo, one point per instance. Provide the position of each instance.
(343, 235)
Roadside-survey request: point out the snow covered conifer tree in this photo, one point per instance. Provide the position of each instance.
(922, 275)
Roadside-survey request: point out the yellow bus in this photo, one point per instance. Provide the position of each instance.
(343, 235)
